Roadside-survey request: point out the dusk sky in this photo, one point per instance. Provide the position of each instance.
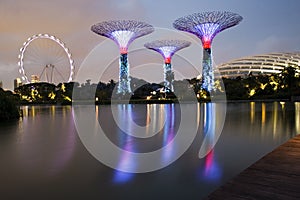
(267, 26)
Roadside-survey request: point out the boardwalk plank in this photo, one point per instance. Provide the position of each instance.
(275, 176)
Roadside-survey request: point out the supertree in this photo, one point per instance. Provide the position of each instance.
(123, 32)
(167, 48)
(206, 26)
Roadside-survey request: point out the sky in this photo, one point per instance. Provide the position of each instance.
(267, 26)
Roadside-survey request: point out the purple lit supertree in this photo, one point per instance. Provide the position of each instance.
(123, 32)
(167, 48)
(206, 26)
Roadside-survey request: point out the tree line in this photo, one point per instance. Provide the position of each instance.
(282, 85)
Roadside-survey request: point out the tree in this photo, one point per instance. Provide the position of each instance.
(8, 106)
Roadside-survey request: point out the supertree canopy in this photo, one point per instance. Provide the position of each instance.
(167, 49)
(123, 32)
(205, 26)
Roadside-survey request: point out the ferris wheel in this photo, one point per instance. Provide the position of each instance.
(45, 58)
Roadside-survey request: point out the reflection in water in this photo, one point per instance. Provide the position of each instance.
(169, 132)
(213, 122)
(212, 170)
(122, 177)
(42, 153)
(138, 120)
(156, 116)
(125, 117)
(252, 112)
(263, 117)
(37, 120)
(275, 118)
(297, 117)
(125, 162)
(271, 119)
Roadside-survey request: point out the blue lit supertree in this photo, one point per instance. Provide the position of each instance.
(167, 48)
(123, 32)
(206, 26)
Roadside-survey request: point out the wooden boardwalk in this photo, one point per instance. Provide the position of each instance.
(275, 176)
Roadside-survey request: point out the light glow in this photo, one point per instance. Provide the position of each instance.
(123, 32)
(51, 95)
(252, 92)
(124, 79)
(167, 51)
(205, 26)
(123, 38)
(207, 32)
(263, 86)
(22, 58)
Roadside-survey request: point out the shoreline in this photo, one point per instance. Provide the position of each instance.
(167, 101)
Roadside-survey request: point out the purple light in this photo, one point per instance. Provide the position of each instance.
(167, 51)
(167, 48)
(212, 170)
(207, 31)
(205, 26)
(123, 39)
(123, 32)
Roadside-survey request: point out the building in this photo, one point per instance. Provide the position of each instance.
(17, 83)
(260, 64)
(35, 79)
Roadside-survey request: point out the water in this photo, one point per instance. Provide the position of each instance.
(42, 156)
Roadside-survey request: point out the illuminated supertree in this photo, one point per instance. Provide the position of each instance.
(167, 48)
(123, 32)
(206, 26)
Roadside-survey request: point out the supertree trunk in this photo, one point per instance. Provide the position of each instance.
(124, 79)
(168, 77)
(207, 71)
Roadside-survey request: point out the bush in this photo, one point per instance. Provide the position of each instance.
(8, 106)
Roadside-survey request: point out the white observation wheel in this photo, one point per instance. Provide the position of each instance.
(45, 58)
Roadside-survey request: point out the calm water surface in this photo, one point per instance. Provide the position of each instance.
(42, 156)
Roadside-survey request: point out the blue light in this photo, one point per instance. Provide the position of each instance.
(212, 170)
(168, 77)
(124, 79)
(207, 71)
(122, 177)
